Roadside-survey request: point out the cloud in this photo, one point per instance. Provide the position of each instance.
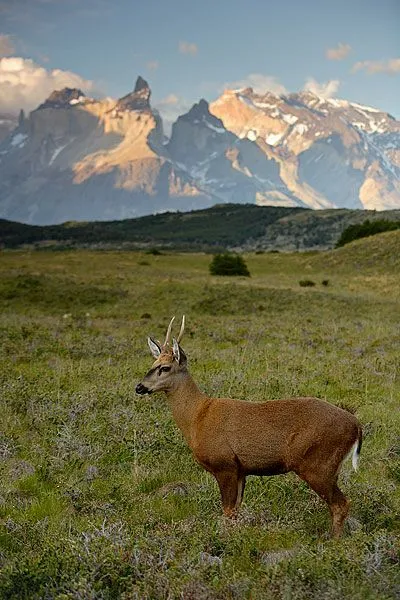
(188, 48)
(338, 53)
(170, 108)
(390, 66)
(6, 45)
(326, 89)
(25, 84)
(260, 84)
(152, 65)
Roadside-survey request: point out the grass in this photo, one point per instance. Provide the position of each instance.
(99, 495)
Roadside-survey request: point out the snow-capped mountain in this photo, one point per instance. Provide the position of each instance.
(331, 153)
(77, 158)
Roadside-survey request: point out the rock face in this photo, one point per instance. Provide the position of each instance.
(76, 158)
(79, 159)
(331, 153)
(64, 98)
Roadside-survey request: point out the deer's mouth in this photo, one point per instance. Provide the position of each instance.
(142, 389)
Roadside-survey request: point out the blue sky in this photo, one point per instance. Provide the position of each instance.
(187, 50)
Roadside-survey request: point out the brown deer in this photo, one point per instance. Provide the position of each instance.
(232, 438)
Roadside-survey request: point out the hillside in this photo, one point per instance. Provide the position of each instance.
(242, 227)
(378, 252)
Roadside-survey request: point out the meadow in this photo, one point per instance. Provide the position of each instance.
(99, 496)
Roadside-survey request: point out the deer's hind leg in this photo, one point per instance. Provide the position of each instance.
(327, 489)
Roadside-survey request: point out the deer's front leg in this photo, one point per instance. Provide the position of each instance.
(231, 486)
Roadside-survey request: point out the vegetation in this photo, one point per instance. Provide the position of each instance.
(228, 264)
(99, 495)
(218, 227)
(306, 283)
(365, 229)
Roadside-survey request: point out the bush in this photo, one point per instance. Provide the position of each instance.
(306, 283)
(228, 264)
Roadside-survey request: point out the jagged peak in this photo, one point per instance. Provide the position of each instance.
(139, 99)
(63, 98)
(141, 84)
(200, 112)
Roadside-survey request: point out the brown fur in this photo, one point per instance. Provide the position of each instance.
(233, 438)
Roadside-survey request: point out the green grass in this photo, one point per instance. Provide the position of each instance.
(99, 495)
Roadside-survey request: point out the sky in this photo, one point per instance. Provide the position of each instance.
(188, 49)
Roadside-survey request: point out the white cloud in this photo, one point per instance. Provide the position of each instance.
(6, 45)
(326, 89)
(152, 65)
(338, 53)
(170, 108)
(260, 84)
(188, 48)
(390, 66)
(25, 84)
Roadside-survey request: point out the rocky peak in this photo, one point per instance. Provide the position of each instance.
(200, 113)
(64, 98)
(139, 99)
(141, 84)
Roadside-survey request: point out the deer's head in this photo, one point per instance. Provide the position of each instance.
(169, 365)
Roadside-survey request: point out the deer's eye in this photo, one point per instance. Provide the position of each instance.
(164, 370)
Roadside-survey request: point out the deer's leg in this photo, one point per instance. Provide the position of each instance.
(339, 507)
(327, 489)
(240, 491)
(231, 490)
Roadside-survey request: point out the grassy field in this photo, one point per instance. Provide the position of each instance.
(99, 495)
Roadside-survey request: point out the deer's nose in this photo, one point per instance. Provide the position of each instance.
(141, 389)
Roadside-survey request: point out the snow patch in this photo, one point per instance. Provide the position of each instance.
(337, 103)
(291, 119)
(19, 140)
(214, 128)
(273, 138)
(79, 100)
(300, 128)
(56, 153)
(264, 104)
(367, 108)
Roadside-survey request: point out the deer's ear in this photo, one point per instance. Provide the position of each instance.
(178, 353)
(154, 346)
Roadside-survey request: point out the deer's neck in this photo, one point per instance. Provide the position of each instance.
(186, 400)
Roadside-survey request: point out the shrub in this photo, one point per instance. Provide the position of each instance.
(228, 264)
(306, 283)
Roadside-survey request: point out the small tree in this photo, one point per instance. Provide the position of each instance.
(228, 264)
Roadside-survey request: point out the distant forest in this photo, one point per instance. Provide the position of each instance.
(219, 227)
(222, 227)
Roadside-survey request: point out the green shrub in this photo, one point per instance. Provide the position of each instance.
(228, 264)
(306, 283)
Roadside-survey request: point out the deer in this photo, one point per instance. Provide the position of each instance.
(233, 439)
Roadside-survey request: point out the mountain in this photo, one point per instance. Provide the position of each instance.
(331, 153)
(77, 158)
